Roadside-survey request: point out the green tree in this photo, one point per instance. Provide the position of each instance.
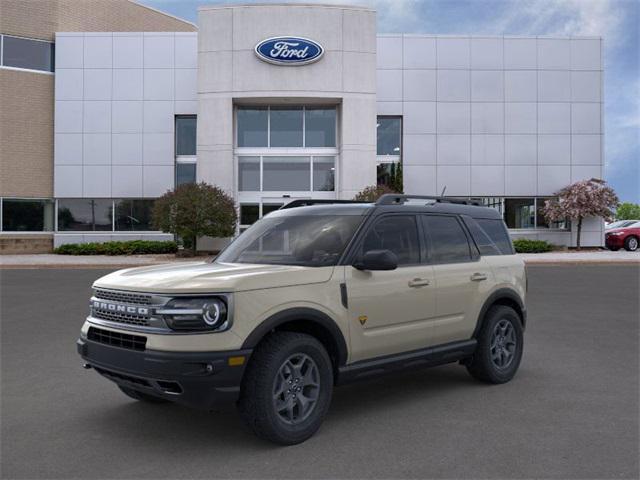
(195, 210)
(628, 211)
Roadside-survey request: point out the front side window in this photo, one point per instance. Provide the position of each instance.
(26, 215)
(82, 214)
(133, 215)
(447, 241)
(519, 212)
(397, 233)
(305, 240)
(26, 53)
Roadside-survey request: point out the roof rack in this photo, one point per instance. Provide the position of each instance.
(400, 199)
(309, 201)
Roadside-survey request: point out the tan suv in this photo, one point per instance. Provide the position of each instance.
(314, 295)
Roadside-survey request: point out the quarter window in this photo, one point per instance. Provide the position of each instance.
(497, 232)
(397, 233)
(447, 240)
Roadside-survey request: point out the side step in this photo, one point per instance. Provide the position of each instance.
(426, 357)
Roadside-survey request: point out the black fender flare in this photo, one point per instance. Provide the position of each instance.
(508, 294)
(306, 314)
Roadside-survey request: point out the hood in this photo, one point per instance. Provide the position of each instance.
(197, 277)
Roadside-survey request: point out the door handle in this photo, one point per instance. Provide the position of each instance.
(478, 277)
(419, 282)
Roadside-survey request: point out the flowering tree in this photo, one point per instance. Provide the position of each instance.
(373, 193)
(586, 198)
(195, 210)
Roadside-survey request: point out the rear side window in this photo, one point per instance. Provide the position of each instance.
(398, 233)
(447, 240)
(485, 244)
(497, 232)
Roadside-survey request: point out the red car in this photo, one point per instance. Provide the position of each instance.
(627, 237)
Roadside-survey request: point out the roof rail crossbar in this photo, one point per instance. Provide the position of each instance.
(307, 202)
(399, 199)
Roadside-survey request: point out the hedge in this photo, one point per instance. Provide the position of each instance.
(524, 245)
(132, 247)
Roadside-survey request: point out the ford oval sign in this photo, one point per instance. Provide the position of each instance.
(289, 51)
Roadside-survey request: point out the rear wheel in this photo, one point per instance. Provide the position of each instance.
(141, 396)
(500, 343)
(631, 244)
(287, 388)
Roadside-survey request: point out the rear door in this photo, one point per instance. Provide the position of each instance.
(462, 277)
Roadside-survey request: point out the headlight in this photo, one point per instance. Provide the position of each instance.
(616, 233)
(195, 314)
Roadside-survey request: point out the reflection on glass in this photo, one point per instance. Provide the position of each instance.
(185, 173)
(249, 213)
(286, 173)
(286, 127)
(252, 126)
(249, 174)
(27, 215)
(323, 174)
(26, 53)
(320, 127)
(84, 214)
(133, 215)
(389, 132)
(186, 135)
(519, 212)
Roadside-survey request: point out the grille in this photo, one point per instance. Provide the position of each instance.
(119, 376)
(140, 320)
(124, 297)
(116, 339)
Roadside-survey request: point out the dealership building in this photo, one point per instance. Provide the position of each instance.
(280, 102)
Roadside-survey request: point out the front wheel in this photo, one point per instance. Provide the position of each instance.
(500, 344)
(287, 388)
(631, 244)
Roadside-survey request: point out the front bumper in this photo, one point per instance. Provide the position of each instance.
(196, 379)
(614, 241)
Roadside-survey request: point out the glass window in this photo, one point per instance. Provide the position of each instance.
(483, 241)
(447, 241)
(397, 233)
(320, 127)
(252, 126)
(542, 221)
(286, 173)
(186, 135)
(324, 169)
(270, 207)
(519, 212)
(491, 202)
(497, 232)
(306, 240)
(389, 131)
(185, 173)
(133, 215)
(285, 124)
(249, 213)
(25, 53)
(390, 174)
(83, 214)
(249, 174)
(26, 215)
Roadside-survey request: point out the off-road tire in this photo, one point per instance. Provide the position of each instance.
(256, 403)
(482, 365)
(631, 243)
(141, 396)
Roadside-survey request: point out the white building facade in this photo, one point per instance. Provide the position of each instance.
(505, 120)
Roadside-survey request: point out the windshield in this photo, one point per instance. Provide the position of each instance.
(621, 224)
(305, 240)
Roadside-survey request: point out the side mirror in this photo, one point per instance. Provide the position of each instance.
(377, 260)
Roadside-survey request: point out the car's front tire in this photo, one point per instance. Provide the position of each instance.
(287, 388)
(141, 396)
(500, 344)
(614, 249)
(631, 243)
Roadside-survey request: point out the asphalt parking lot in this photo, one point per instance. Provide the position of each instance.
(571, 412)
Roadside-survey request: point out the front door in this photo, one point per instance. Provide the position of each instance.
(390, 311)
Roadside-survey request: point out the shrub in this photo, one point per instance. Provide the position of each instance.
(524, 245)
(132, 247)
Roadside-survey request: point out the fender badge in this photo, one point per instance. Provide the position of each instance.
(362, 319)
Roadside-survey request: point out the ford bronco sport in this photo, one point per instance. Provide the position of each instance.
(313, 295)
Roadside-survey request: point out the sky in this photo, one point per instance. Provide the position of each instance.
(617, 21)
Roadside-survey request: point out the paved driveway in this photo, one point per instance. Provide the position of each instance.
(571, 412)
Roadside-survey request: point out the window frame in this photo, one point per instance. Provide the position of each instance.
(22, 69)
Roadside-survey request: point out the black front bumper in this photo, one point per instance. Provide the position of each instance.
(195, 379)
